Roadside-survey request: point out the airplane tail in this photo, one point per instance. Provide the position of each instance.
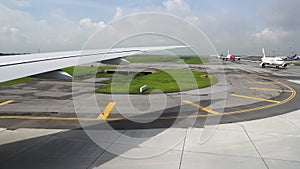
(263, 53)
(294, 56)
(228, 52)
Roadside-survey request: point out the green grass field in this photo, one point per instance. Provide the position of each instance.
(166, 81)
(152, 59)
(193, 60)
(294, 63)
(83, 70)
(18, 81)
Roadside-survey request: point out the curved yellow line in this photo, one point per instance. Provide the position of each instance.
(293, 94)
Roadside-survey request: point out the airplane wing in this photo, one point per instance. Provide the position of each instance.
(17, 66)
(237, 58)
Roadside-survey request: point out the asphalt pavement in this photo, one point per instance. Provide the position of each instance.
(250, 121)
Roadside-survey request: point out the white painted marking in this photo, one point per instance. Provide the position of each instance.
(295, 81)
(143, 88)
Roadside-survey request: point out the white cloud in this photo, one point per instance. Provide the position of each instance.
(22, 32)
(211, 19)
(26, 31)
(177, 6)
(87, 22)
(282, 14)
(267, 34)
(150, 30)
(182, 9)
(193, 19)
(21, 3)
(9, 29)
(119, 13)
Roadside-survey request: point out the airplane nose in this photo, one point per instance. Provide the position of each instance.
(232, 57)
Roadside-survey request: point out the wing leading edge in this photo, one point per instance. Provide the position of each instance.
(18, 66)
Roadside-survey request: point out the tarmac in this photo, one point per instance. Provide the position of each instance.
(258, 128)
(266, 143)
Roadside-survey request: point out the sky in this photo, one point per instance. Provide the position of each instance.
(244, 27)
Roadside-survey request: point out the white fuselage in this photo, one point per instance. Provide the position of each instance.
(276, 61)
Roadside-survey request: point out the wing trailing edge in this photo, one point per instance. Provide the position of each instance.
(18, 66)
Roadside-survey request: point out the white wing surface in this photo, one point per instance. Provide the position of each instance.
(17, 66)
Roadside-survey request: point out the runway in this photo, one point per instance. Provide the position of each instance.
(41, 129)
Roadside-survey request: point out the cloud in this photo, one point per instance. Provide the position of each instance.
(192, 19)
(21, 3)
(87, 22)
(9, 29)
(244, 29)
(282, 14)
(23, 32)
(177, 6)
(119, 13)
(270, 35)
(150, 29)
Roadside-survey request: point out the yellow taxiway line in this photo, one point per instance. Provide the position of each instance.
(110, 106)
(105, 113)
(6, 102)
(47, 118)
(269, 89)
(201, 107)
(254, 98)
(293, 94)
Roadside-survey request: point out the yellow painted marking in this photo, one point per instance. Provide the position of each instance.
(105, 113)
(6, 102)
(263, 83)
(58, 118)
(268, 106)
(201, 107)
(276, 103)
(206, 76)
(269, 89)
(255, 98)
(47, 118)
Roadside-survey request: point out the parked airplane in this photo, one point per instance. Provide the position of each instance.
(276, 61)
(17, 66)
(291, 57)
(230, 57)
